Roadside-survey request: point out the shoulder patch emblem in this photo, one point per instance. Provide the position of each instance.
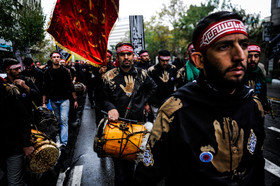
(252, 142)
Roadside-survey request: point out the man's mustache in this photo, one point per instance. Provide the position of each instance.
(235, 66)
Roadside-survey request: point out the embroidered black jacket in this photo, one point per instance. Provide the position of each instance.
(204, 137)
(165, 80)
(118, 88)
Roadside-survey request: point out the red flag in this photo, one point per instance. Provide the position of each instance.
(82, 27)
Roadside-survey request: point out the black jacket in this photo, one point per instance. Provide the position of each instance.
(145, 65)
(257, 81)
(58, 84)
(118, 86)
(36, 75)
(165, 80)
(15, 122)
(204, 137)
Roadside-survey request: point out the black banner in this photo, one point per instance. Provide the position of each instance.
(137, 33)
(64, 55)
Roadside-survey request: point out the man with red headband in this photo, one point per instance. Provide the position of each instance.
(144, 62)
(127, 91)
(255, 77)
(211, 132)
(16, 95)
(189, 72)
(164, 75)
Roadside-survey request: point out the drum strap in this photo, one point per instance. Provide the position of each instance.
(135, 89)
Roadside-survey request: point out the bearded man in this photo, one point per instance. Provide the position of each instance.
(211, 132)
(127, 91)
(255, 77)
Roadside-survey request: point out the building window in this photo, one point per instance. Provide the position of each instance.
(277, 3)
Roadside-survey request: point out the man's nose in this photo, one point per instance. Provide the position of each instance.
(239, 54)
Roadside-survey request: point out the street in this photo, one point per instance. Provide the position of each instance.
(88, 169)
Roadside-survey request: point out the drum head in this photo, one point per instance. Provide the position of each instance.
(44, 157)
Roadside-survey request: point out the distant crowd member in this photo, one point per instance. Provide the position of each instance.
(109, 60)
(211, 132)
(164, 76)
(189, 72)
(58, 87)
(145, 61)
(72, 70)
(255, 77)
(36, 75)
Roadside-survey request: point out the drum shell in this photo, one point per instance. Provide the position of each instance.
(123, 144)
(45, 154)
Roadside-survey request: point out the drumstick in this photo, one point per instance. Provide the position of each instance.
(122, 119)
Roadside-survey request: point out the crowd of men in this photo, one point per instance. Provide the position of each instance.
(208, 124)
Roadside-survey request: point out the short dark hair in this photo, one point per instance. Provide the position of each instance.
(27, 61)
(9, 62)
(214, 17)
(123, 43)
(55, 52)
(142, 51)
(110, 52)
(164, 52)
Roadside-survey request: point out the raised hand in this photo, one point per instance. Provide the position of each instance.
(230, 145)
(165, 77)
(129, 85)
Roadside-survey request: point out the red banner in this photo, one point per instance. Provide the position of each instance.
(82, 27)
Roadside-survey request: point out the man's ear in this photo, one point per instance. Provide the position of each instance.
(198, 60)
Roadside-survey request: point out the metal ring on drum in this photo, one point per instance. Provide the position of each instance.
(45, 154)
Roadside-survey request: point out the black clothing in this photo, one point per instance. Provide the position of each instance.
(165, 80)
(27, 98)
(110, 66)
(118, 86)
(36, 75)
(145, 65)
(256, 80)
(81, 73)
(72, 71)
(181, 77)
(58, 84)
(207, 137)
(91, 79)
(15, 129)
(178, 63)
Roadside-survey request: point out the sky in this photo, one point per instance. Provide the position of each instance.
(148, 8)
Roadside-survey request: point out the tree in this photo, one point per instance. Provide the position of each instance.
(22, 23)
(176, 24)
(157, 36)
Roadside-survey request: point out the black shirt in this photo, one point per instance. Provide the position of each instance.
(58, 84)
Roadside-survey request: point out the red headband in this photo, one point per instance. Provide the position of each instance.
(144, 54)
(125, 48)
(164, 57)
(109, 54)
(254, 48)
(11, 67)
(218, 30)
